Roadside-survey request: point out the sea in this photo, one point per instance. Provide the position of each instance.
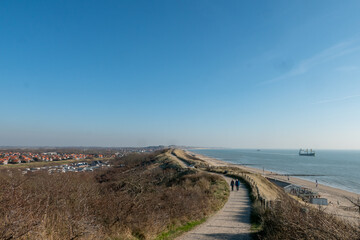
(335, 168)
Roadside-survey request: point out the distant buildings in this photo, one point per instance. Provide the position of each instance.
(26, 157)
(17, 157)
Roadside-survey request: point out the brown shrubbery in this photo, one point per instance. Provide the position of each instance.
(287, 219)
(140, 197)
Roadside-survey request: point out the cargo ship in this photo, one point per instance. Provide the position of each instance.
(303, 152)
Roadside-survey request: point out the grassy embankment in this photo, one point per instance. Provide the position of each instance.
(144, 196)
(276, 215)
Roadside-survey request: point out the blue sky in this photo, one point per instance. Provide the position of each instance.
(244, 74)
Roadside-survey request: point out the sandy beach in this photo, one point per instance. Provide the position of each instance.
(337, 198)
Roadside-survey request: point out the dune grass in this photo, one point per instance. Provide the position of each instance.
(142, 196)
(174, 232)
(287, 218)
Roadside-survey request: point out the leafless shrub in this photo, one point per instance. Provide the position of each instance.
(140, 197)
(287, 219)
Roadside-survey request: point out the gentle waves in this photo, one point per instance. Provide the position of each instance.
(336, 168)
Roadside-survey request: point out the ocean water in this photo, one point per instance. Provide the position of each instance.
(336, 168)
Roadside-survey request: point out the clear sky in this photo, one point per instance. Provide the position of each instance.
(244, 74)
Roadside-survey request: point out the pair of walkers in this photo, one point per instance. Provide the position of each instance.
(235, 183)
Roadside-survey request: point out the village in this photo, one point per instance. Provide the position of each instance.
(18, 156)
(27, 157)
(73, 167)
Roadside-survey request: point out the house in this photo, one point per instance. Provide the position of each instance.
(14, 161)
(25, 160)
(3, 161)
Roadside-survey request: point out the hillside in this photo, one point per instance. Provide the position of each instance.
(141, 196)
(277, 215)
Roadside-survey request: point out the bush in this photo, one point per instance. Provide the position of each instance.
(138, 198)
(289, 220)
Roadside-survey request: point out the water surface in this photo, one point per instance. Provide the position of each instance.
(336, 168)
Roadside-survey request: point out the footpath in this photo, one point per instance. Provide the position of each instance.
(232, 222)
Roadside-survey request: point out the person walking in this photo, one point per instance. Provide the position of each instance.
(237, 184)
(232, 184)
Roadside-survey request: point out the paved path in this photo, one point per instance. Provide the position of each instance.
(232, 222)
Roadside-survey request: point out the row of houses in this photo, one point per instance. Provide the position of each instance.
(306, 194)
(26, 157)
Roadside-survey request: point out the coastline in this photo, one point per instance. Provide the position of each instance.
(337, 198)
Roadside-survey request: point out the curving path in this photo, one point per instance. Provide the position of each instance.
(232, 222)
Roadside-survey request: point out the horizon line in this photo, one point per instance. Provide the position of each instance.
(180, 146)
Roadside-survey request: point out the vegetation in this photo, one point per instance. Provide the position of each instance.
(149, 196)
(177, 231)
(142, 196)
(188, 159)
(286, 218)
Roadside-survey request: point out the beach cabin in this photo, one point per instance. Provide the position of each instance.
(319, 201)
(304, 193)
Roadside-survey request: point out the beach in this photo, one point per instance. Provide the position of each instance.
(337, 198)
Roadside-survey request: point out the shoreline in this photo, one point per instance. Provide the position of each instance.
(337, 198)
(299, 177)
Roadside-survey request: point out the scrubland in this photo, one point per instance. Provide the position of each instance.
(283, 217)
(142, 197)
(150, 196)
(287, 219)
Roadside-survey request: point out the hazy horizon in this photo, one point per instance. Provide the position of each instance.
(235, 74)
(180, 146)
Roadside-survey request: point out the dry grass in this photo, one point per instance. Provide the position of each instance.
(260, 186)
(141, 197)
(190, 160)
(287, 219)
